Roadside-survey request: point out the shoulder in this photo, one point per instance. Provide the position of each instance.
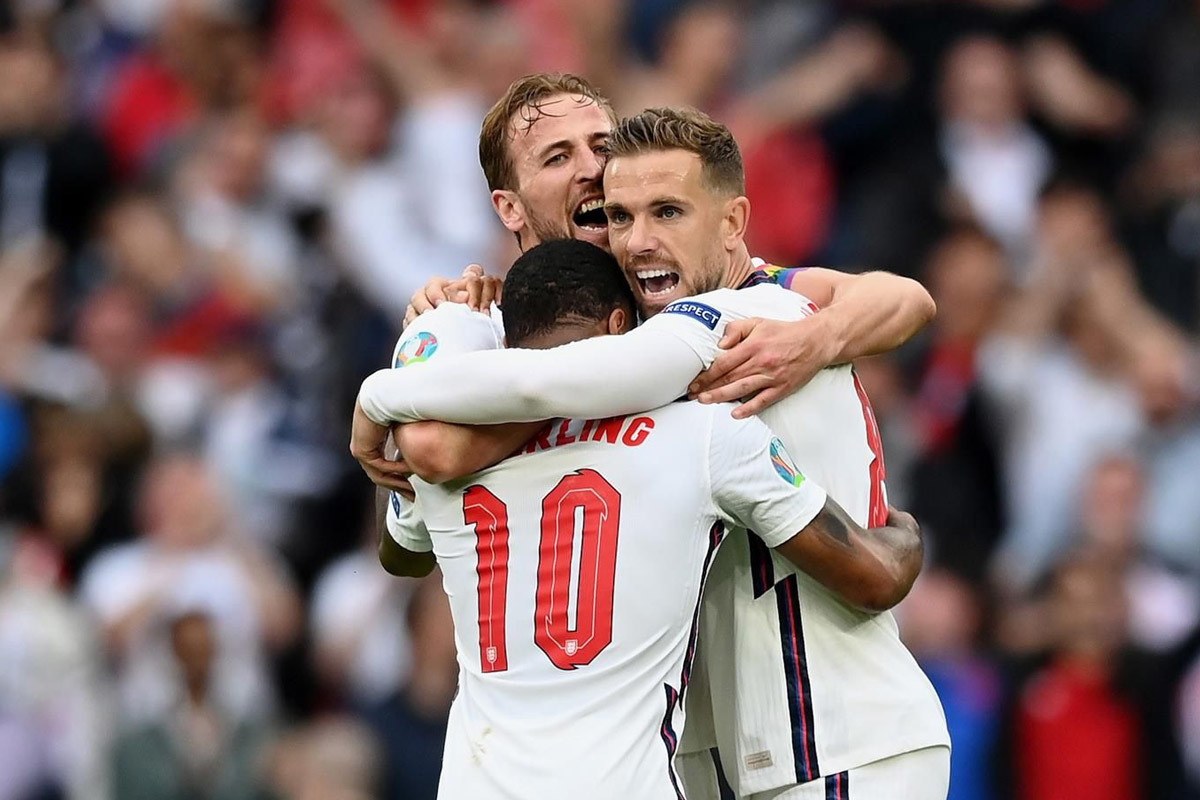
(450, 323)
(768, 300)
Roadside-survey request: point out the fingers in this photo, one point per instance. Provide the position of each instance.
(736, 389)
(482, 291)
(759, 403)
(722, 370)
(493, 289)
(430, 296)
(388, 474)
(736, 331)
(472, 283)
(474, 286)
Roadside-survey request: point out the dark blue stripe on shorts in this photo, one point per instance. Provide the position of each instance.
(837, 787)
(724, 790)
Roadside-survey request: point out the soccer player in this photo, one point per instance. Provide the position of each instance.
(543, 148)
(810, 697)
(575, 570)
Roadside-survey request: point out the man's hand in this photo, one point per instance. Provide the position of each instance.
(765, 361)
(367, 440)
(474, 288)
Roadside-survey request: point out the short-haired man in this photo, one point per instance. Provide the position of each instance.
(575, 580)
(543, 147)
(808, 694)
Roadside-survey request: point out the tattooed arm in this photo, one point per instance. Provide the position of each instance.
(871, 569)
(757, 485)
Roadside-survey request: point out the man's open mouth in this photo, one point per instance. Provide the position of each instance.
(590, 215)
(657, 282)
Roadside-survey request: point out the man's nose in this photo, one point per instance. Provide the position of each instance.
(641, 237)
(591, 167)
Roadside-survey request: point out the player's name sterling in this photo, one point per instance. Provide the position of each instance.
(629, 431)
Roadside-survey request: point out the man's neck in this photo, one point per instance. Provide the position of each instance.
(740, 267)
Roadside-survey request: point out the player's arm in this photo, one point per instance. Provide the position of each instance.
(588, 379)
(441, 451)
(405, 547)
(860, 315)
(756, 483)
(870, 568)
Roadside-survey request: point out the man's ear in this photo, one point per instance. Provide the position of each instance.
(509, 209)
(735, 222)
(618, 321)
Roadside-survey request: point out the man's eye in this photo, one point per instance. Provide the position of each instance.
(617, 217)
(601, 150)
(669, 212)
(556, 159)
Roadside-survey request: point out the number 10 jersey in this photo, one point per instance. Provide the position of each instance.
(575, 570)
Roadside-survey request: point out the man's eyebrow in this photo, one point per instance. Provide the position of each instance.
(561, 144)
(668, 201)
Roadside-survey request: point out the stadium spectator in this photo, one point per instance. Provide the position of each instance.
(361, 643)
(212, 212)
(411, 723)
(188, 560)
(941, 622)
(198, 749)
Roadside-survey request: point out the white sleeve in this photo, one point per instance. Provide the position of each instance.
(447, 330)
(756, 483)
(405, 525)
(700, 321)
(589, 379)
(697, 324)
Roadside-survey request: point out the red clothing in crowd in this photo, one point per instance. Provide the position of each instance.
(1076, 738)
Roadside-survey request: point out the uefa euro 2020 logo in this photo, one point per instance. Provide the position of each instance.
(783, 463)
(415, 349)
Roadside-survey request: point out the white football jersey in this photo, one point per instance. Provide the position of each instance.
(574, 572)
(449, 329)
(801, 684)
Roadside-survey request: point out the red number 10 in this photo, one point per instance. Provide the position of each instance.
(565, 645)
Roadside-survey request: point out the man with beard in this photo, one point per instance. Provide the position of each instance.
(810, 698)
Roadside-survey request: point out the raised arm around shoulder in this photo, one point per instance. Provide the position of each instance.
(871, 569)
(864, 314)
(442, 451)
(592, 378)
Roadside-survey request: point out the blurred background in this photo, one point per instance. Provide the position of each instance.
(212, 213)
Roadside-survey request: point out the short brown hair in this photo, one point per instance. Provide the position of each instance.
(525, 96)
(684, 129)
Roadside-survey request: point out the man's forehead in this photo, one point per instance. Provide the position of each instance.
(641, 172)
(562, 116)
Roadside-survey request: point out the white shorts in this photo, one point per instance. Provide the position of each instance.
(920, 775)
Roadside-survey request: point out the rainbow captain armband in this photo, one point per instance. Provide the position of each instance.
(705, 315)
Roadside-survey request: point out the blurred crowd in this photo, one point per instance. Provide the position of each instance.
(213, 212)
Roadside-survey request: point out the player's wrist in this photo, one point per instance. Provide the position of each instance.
(832, 336)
